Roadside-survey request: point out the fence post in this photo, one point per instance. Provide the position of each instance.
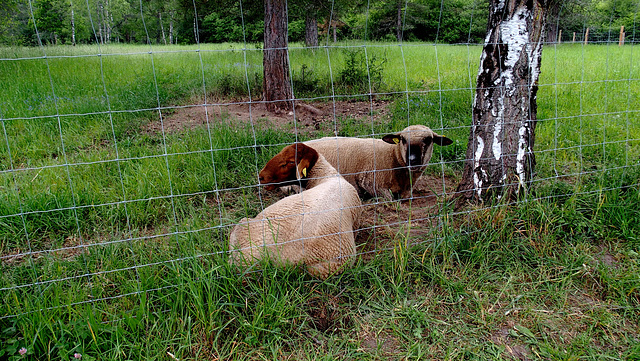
(621, 41)
(574, 37)
(560, 36)
(586, 37)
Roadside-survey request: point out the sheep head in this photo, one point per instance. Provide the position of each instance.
(415, 144)
(291, 165)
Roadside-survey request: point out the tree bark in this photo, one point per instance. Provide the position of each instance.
(101, 21)
(335, 33)
(311, 30)
(171, 27)
(500, 159)
(107, 22)
(73, 26)
(399, 22)
(552, 30)
(164, 38)
(277, 82)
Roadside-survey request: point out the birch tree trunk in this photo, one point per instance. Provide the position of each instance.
(100, 11)
(171, 27)
(107, 22)
(277, 82)
(500, 159)
(164, 38)
(73, 26)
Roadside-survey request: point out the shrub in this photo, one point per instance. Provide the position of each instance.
(360, 75)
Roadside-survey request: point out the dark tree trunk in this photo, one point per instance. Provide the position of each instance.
(277, 83)
(552, 29)
(399, 22)
(500, 159)
(311, 30)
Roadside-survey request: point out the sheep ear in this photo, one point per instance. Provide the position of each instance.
(301, 169)
(391, 138)
(441, 140)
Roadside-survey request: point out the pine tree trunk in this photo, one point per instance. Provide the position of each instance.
(311, 30)
(500, 159)
(277, 82)
(399, 22)
(552, 30)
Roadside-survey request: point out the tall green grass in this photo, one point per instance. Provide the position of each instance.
(138, 219)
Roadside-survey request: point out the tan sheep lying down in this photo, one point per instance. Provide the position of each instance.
(386, 167)
(314, 227)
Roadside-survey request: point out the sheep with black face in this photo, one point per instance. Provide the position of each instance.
(387, 167)
(314, 228)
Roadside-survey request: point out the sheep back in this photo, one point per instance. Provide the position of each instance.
(371, 165)
(315, 228)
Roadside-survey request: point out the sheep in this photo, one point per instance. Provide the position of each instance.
(314, 228)
(387, 167)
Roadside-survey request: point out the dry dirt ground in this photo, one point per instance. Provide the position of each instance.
(309, 117)
(381, 220)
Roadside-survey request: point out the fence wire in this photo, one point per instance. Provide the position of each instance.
(95, 199)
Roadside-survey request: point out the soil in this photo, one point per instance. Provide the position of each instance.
(309, 117)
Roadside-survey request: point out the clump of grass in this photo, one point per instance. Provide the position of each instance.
(306, 83)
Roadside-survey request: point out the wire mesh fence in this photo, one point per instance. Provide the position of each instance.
(119, 161)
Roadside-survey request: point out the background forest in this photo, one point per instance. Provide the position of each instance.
(217, 21)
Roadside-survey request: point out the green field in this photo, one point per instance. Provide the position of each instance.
(124, 229)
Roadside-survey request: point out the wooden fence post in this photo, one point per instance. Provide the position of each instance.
(574, 36)
(560, 36)
(621, 41)
(586, 37)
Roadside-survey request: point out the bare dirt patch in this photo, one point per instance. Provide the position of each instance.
(308, 116)
(412, 218)
(514, 348)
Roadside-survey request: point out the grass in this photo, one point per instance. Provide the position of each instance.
(125, 228)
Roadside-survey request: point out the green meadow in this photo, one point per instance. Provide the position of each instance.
(112, 235)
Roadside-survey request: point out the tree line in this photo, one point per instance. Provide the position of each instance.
(52, 22)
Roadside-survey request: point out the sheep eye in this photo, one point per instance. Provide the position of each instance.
(427, 141)
(404, 141)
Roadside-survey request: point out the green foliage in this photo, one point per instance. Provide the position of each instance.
(458, 21)
(362, 72)
(216, 29)
(50, 18)
(217, 21)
